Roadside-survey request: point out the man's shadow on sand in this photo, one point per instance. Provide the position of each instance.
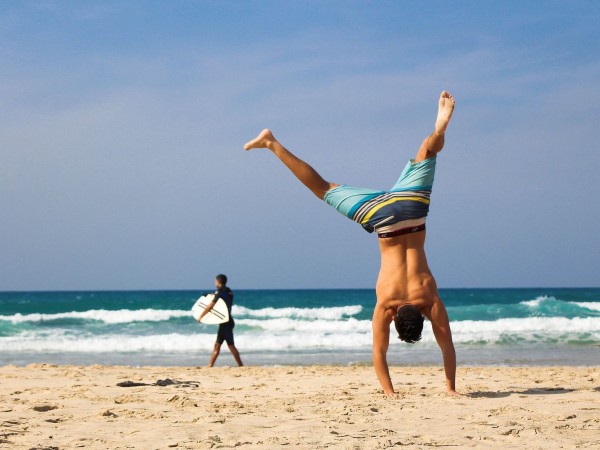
(530, 391)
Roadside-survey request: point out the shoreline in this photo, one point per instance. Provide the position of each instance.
(521, 355)
(313, 406)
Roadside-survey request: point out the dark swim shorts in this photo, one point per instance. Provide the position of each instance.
(225, 333)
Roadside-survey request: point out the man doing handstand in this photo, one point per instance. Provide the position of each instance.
(406, 290)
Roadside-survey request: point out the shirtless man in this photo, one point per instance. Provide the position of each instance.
(406, 290)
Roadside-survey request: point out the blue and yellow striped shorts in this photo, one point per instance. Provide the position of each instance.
(404, 207)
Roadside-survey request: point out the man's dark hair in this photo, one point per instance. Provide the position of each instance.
(222, 279)
(409, 323)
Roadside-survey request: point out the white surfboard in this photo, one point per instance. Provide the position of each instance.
(218, 314)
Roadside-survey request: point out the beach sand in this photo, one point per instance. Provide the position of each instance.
(65, 407)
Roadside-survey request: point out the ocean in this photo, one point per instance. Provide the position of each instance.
(503, 327)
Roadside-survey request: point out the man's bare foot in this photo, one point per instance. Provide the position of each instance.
(445, 109)
(453, 393)
(264, 140)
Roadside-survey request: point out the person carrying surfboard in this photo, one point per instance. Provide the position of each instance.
(225, 332)
(406, 290)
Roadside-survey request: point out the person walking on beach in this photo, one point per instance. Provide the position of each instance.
(406, 289)
(225, 333)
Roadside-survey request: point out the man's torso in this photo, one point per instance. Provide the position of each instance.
(404, 276)
(227, 295)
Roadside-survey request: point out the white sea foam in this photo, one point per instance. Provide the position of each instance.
(58, 341)
(535, 303)
(277, 335)
(175, 342)
(283, 324)
(333, 313)
(158, 315)
(529, 329)
(595, 306)
(103, 315)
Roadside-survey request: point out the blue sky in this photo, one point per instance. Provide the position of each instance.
(122, 126)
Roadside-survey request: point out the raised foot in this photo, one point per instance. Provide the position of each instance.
(264, 140)
(445, 109)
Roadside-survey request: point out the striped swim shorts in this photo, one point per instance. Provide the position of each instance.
(400, 210)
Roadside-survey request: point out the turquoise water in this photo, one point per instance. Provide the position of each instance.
(490, 327)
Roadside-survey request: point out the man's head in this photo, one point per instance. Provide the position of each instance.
(409, 323)
(221, 280)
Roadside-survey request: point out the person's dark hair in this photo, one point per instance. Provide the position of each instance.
(222, 279)
(409, 323)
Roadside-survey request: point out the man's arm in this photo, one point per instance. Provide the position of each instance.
(381, 342)
(441, 330)
(209, 306)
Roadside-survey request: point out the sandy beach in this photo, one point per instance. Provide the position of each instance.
(117, 407)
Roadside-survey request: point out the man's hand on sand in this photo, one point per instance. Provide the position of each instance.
(393, 396)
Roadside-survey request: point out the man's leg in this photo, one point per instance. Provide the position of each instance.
(434, 143)
(236, 354)
(304, 172)
(215, 354)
